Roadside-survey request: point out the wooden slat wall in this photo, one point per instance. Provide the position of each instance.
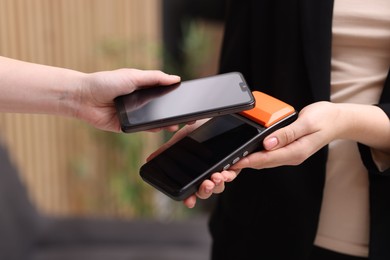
(61, 160)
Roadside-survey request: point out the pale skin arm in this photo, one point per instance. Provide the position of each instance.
(317, 125)
(33, 88)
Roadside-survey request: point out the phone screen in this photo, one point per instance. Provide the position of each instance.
(189, 158)
(204, 97)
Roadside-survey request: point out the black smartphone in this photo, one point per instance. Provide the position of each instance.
(183, 102)
(213, 147)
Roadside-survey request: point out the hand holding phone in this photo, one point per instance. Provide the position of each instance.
(214, 146)
(187, 101)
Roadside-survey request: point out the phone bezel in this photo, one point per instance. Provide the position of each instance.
(128, 127)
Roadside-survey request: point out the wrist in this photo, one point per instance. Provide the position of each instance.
(69, 97)
(367, 124)
(344, 123)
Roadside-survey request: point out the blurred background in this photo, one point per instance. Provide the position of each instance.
(69, 168)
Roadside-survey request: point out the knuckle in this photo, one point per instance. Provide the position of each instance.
(289, 135)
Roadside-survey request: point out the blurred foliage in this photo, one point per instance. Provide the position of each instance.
(197, 47)
(124, 183)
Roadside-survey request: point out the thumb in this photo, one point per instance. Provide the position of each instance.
(152, 78)
(283, 136)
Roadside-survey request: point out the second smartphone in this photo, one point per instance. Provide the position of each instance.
(183, 102)
(215, 146)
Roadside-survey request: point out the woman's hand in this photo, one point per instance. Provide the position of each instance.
(317, 125)
(290, 145)
(215, 185)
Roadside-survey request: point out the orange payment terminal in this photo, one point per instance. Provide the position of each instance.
(215, 146)
(268, 110)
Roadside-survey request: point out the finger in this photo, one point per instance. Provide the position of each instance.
(217, 178)
(231, 174)
(285, 135)
(218, 188)
(145, 78)
(206, 189)
(172, 128)
(292, 154)
(256, 160)
(190, 202)
(191, 122)
(219, 181)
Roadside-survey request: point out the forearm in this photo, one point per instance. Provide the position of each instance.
(33, 88)
(365, 124)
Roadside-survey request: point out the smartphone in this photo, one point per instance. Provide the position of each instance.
(215, 146)
(184, 102)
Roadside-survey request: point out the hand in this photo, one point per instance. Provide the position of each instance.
(215, 185)
(34, 88)
(317, 125)
(98, 90)
(290, 145)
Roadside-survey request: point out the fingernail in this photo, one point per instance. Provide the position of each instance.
(217, 181)
(178, 78)
(270, 143)
(207, 190)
